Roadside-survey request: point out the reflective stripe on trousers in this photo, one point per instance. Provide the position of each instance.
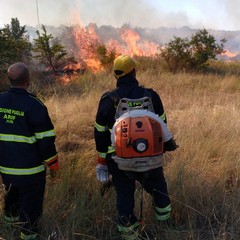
(163, 214)
(11, 219)
(28, 236)
(131, 232)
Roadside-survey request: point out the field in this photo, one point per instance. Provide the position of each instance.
(203, 174)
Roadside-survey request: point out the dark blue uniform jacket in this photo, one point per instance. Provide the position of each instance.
(26, 138)
(127, 87)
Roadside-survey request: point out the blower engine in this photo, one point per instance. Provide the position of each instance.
(138, 138)
(137, 133)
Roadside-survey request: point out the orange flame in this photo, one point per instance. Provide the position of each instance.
(137, 46)
(229, 54)
(86, 40)
(131, 38)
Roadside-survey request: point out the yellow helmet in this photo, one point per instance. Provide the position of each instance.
(123, 65)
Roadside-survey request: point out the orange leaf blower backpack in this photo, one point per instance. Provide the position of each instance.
(138, 135)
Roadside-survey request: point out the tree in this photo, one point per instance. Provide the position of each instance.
(203, 48)
(105, 56)
(176, 54)
(193, 54)
(14, 44)
(49, 51)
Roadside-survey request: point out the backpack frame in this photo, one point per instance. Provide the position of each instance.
(138, 134)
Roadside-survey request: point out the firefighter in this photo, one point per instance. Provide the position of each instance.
(153, 181)
(27, 146)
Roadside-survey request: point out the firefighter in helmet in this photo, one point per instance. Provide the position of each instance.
(27, 146)
(153, 180)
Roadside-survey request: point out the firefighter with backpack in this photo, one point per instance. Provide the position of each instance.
(131, 136)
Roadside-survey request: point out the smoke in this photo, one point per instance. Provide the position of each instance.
(215, 14)
(231, 9)
(138, 13)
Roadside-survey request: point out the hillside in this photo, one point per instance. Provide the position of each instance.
(153, 36)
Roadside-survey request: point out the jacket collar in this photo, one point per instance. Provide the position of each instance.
(18, 90)
(127, 81)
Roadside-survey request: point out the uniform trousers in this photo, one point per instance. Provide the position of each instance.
(153, 181)
(26, 203)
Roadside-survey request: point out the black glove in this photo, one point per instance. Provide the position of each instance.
(170, 145)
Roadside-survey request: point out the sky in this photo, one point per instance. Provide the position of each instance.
(209, 14)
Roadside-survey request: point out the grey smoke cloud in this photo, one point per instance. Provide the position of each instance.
(107, 12)
(231, 9)
(218, 14)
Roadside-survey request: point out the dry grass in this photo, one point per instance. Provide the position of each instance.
(203, 174)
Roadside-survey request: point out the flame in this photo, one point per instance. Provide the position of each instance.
(94, 65)
(131, 38)
(72, 66)
(229, 54)
(136, 46)
(65, 79)
(83, 42)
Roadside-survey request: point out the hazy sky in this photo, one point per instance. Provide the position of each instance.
(209, 14)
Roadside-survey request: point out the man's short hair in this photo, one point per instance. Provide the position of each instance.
(18, 73)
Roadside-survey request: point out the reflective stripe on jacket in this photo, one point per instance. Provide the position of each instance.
(27, 135)
(127, 87)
